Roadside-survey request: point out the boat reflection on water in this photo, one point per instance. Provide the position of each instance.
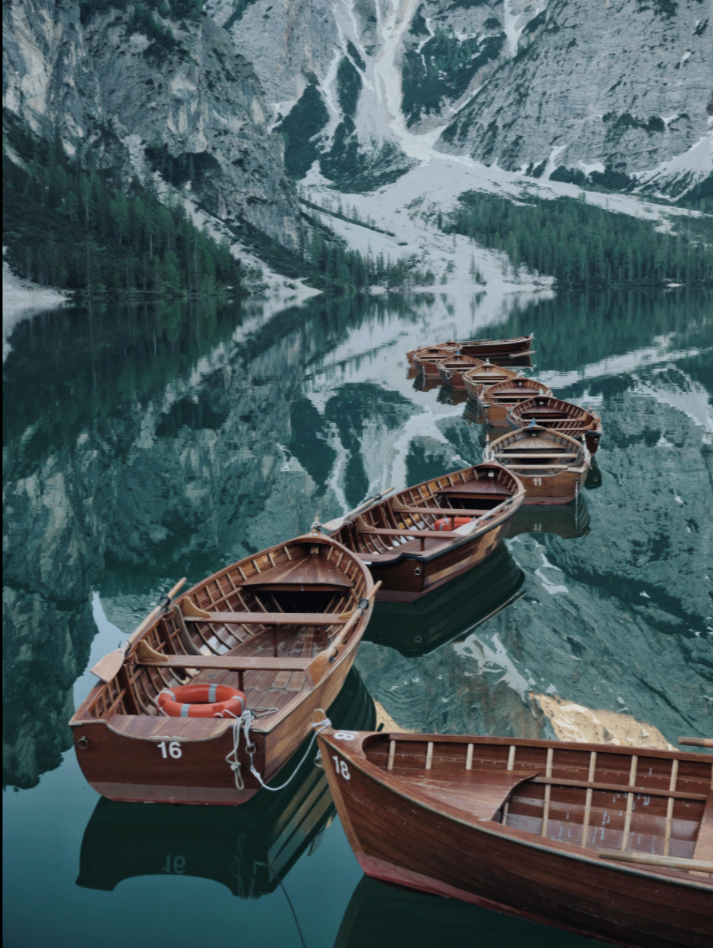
(384, 916)
(565, 520)
(249, 849)
(419, 627)
(593, 479)
(452, 396)
(425, 383)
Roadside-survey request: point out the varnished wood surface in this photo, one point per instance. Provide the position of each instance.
(405, 829)
(270, 618)
(261, 647)
(395, 536)
(497, 400)
(478, 379)
(547, 480)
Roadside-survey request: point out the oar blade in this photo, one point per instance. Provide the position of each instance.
(108, 667)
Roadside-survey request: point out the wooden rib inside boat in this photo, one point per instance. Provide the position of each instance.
(282, 627)
(497, 400)
(558, 415)
(485, 375)
(604, 840)
(427, 535)
(551, 466)
(452, 369)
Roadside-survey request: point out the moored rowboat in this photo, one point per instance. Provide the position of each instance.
(552, 466)
(452, 369)
(426, 535)
(426, 360)
(250, 850)
(558, 415)
(281, 627)
(431, 350)
(497, 400)
(603, 840)
(482, 377)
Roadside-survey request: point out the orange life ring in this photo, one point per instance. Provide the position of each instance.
(450, 523)
(201, 701)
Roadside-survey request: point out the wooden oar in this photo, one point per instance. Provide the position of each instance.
(665, 862)
(330, 654)
(108, 667)
(339, 521)
(696, 741)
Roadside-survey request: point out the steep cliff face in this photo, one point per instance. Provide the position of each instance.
(158, 93)
(624, 85)
(620, 91)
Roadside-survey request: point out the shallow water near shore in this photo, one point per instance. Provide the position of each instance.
(145, 443)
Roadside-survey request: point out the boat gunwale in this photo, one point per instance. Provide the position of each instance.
(589, 421)
(493, 392)
(83, 714)
(422, 799)
(516, 500)
(519, 434)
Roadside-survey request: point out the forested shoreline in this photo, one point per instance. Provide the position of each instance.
(70, 224)
(581, 244)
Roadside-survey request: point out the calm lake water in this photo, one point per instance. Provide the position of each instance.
(142, 444)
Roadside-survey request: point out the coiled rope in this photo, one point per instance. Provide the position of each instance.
(244, 722)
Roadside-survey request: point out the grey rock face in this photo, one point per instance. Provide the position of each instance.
(104, 83)
(623, 84)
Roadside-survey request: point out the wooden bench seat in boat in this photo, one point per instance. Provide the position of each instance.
(411, 534)
(482, 795)
(536, 456)
(441, 511)
(482, 489)
(270, 618)
(313, 571)
(534, 467)
(223, 662)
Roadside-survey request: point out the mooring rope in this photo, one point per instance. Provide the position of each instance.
(244, 722)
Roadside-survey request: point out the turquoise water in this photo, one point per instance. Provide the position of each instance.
(142, 444)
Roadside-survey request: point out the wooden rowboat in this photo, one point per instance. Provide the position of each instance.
(557, 415)
(497, 350)
(426, 360)
(406, 540)
(481, 377)
(437, 349)
(453, 367)
(249, 850)
(282, 626)
(615, 842)
(497, 400)
(552, 466)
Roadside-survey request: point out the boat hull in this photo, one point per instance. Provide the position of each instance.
(494, 867)
(415, 577)
(560, 488)
(141, 768)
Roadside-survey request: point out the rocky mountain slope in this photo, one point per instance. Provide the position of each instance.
(151, 90)
(621, 91)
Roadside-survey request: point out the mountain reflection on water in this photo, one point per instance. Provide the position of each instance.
(144, 443)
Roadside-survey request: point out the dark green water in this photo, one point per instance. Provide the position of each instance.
(143, 444)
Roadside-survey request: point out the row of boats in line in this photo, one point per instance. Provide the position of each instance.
(217, 691)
